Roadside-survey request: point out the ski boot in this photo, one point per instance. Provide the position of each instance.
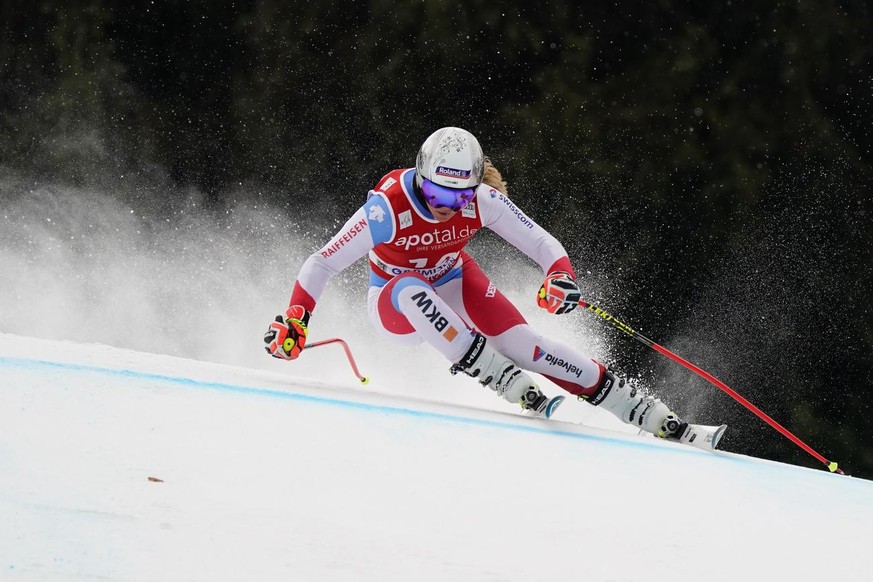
(535, 403)
(635, 407)
(497, 372)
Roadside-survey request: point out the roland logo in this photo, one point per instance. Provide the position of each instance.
(452, 172)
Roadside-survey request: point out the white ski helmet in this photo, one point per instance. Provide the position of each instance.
(450, 157)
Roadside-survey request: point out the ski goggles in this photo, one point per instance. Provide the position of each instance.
(445, 197)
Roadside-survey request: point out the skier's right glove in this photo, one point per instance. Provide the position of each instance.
(559, 293)
(286, 337)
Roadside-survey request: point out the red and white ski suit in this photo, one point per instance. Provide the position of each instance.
(425, 287)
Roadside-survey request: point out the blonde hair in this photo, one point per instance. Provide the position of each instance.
(493, 178)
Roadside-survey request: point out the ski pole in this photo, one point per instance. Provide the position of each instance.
(334, 340)
(832, 466)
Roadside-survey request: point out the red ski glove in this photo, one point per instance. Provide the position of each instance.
(286, 337)
(559, 293)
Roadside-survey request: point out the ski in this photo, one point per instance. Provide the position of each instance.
(702, 436)
(695, 435)
(552, 406)
(548, 410)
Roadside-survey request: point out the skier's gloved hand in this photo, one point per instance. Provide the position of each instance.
(286, 337)
(559, 293)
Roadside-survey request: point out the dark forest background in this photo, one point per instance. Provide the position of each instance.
(708, 165)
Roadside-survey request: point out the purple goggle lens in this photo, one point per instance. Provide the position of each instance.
(444, 197)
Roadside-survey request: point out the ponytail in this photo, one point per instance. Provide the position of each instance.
(493, 178)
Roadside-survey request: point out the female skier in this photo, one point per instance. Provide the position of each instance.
(425, 287)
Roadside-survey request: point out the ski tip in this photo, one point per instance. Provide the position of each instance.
(716, 436)
(553, 405)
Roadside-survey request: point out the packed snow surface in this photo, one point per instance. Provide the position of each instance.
(120, 465)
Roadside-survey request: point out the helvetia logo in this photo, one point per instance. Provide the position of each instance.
(540, 353)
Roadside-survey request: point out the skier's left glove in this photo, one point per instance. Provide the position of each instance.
(559, 293)
(286, 337)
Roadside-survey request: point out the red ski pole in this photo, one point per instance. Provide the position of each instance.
(832, 466)
(334, 340)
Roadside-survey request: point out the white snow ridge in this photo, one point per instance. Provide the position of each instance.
(118, 465)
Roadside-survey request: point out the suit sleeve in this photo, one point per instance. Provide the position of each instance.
(502, 216)
(353, 241)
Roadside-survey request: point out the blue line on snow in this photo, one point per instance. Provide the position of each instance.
(553, 429)
(24, 363)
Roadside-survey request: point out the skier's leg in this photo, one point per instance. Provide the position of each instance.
(487, 309)
(410, 310)
(587, 379)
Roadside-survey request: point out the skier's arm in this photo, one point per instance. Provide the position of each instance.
(502, 216)
(559, 292)
(352, 242)
(372, 224)
(286, 336)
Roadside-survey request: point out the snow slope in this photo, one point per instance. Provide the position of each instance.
(119, 465)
